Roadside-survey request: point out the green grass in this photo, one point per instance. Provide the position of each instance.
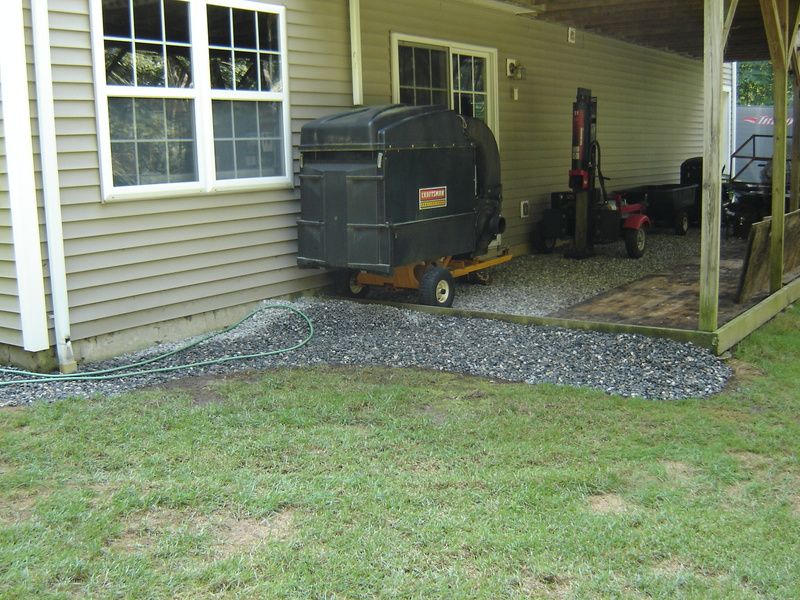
(332, 483)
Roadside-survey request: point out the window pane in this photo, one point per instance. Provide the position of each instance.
(179, 67)
(439, 69)
(116, 18)
(270, 121)
(422, 67)
(176, 21)
(120, 117)
(247, 159)
(246, 71)
(123, 163)
(149, 65)
(407, 95)
(150, 119)
(465, 67)
(160, 148)
(271, 158)
(224, 159)
(440, 98)
(245, 120)
(221, 69)
(119, 63)
(268, 32)
(479, 106)
(219, 25)
(423, 97)
(223, 119)
(466, 105)
(244, 29)
(270, 73)
(181, 160)
(179, 116)
(480, 74)
(253, 147)
(147, 19)
(152, 162)
(406, 60)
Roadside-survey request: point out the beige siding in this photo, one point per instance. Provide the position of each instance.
(650, 102)
(133, 263)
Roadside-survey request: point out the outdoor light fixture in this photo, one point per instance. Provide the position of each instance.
(514, 69)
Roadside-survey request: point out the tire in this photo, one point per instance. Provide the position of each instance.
(543, 243)
(349, 287)
(483, 277)
(681, 223)
(437, 288)
(636, 242)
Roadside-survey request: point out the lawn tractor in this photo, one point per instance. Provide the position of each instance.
(400, 197)
(587, 213)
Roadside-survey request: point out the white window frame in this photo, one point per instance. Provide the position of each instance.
(490, 54)
(202, 94)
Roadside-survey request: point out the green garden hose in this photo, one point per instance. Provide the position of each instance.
(125, 370)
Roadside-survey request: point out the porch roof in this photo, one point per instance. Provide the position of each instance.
(672, 25)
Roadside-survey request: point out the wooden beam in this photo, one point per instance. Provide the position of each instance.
(794, 186)
(712, 186)
(775, 15)
(726, 30)
(740, 327)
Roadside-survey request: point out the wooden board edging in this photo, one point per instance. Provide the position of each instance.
(704, 339)
(740, 327)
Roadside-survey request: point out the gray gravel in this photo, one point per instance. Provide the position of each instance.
(348, 333)
(541, 284)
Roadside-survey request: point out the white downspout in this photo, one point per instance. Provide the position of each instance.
(355, 52)
(51, 192)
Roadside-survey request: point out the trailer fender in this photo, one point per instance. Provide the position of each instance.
(636, 222)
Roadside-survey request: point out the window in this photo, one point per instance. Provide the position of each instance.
(191, 96)
(437, 72)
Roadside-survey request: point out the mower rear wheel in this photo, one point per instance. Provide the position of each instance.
(437, 287)
(543, 242)
(349, 287)
(681, 223)
(636, 242)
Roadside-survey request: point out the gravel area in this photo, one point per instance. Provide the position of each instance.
(349, 333)
(541, 284)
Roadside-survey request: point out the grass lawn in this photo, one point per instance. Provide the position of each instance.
(353, 483)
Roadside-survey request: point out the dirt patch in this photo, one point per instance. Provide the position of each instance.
(607, 504)
(201, 389)
(19, 506)
(435, 414)
(546, 585)
(751, 460)
(679, 472)
(228, 535)
(743, 373)
(237, 536)
(671, 567)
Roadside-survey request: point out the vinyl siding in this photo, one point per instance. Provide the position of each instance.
(137, 262)
(650, 102)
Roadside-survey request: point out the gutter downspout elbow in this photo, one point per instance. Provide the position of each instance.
(51, 192)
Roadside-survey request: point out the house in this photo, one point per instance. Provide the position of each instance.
(148, 167)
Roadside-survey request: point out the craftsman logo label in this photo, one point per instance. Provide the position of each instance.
(435, 197)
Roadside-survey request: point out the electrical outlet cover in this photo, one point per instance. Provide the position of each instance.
(524, 209)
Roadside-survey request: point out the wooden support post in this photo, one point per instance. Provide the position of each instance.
(779, 37)
(712, 186)
(794, 202)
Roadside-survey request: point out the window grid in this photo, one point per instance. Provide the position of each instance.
(194, 154)
(414, 91)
